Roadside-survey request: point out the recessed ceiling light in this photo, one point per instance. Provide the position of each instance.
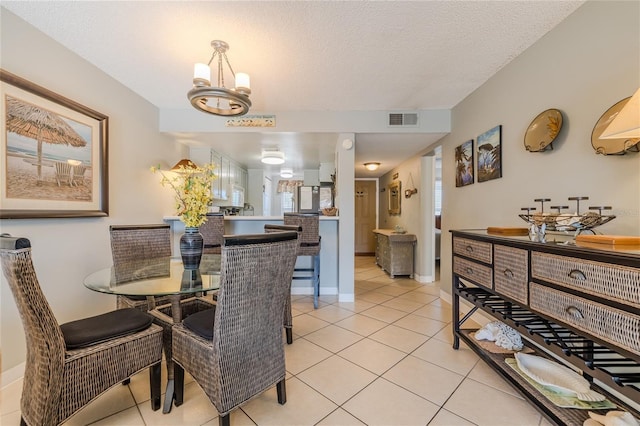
(286, 173)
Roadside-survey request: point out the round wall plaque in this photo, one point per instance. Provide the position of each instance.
(543, 130)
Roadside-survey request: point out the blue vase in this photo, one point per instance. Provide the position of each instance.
(191, 244)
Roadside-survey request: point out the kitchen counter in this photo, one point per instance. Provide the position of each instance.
(329, 228)
(255, 218)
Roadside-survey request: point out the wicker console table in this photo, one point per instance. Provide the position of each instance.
(581, 304)
(394, 252)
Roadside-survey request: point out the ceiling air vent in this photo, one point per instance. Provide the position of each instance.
(403, 119)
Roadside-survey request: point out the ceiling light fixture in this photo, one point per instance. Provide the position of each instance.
(272, 157)
(627, 123)
(219, 100)
(372, 166)
(286, 173)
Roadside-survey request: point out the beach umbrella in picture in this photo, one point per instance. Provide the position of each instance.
(40, 124)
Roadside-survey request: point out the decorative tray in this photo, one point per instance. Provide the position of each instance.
(559, 400)
(498, 230)
(567, 221)
(557, 377)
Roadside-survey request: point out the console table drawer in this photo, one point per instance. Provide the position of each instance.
(510, 272)
(474, 249)
(477, 273)
(612, 325)
(613, 282)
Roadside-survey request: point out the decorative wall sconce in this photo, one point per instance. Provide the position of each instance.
(409, 192)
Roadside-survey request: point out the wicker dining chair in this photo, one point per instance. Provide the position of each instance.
(288, 317)
(309, 246)
(69, 365)
(235, 351)
(138, 242)
(212, 231)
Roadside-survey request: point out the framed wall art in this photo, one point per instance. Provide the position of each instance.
(53, 153)
(464, 164)
(489, 152)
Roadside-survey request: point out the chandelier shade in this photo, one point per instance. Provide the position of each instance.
(219, 100)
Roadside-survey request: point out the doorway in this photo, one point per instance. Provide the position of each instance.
(366, 215)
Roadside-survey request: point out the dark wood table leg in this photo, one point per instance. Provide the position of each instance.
(169, 397)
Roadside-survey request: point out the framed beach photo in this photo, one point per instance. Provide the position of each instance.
(489, 152)
(464, 164)
(53, 154)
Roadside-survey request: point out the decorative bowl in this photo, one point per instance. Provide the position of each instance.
(556, 377)
(330, 211)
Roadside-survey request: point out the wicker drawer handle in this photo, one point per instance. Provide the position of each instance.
(574, 312)
(469, 270)
(469, 249)
(577, 274)
(508, 273)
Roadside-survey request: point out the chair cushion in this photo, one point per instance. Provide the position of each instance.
(201, 323)
(135, 297)
(8, 242)
(92, 330)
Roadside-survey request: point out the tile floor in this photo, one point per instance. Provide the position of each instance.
(385, 359)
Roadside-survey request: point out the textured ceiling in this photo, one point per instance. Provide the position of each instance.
(303, 55)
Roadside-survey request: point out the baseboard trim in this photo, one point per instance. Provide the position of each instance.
(12, 375)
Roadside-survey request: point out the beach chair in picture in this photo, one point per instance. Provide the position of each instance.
(63, 173)
(78, 175)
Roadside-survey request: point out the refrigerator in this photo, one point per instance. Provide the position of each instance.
(312, 199)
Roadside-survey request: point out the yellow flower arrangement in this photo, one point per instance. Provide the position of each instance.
(192, 186)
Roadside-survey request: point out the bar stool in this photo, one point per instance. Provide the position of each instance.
(288, 317)
(212, 231)
(309, 245)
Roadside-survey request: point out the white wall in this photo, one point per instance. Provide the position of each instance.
(66, 250)
(582, 67)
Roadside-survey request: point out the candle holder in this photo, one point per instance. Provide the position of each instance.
(565, 222)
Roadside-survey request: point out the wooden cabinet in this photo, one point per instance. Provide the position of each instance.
(581, 305)
(394, 252)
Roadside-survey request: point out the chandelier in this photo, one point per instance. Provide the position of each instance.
(219, 100)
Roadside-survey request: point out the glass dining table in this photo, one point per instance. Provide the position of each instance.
(151, 278)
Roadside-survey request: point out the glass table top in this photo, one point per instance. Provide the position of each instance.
(156, 277)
